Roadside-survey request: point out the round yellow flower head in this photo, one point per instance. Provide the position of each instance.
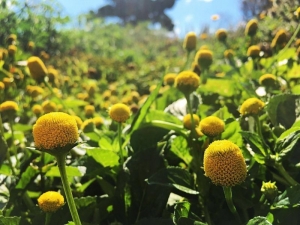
(35, 91)
(89, 110)
(98, 121)
(92, 89)
(224, 163)
(88, 126)
(119, 112)
(82, 96)
(106, 95)
(253, 51)
(51, 201)
(280, 39)
(30, 45)
(12, 49)
(49, 106)
(187, 82)
(78, 121)
(37, 68)
(8, 81)
(169, 79)
(187, 123)
(55, 133)
(212, 126)
(297, 13)
(9, 106)
(204, 57)
(268, 80)
(37, 110)
(251, 106)
(204, 47)
(190, 41)
(228, 54)
(221, 35)
(52, 74)
(12, 38)
(2, 86)
(251, 27)
(269, 189)
(134, 96)
(203, 36)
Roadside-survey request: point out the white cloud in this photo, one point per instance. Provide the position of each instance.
(205, 0)
(188, 1)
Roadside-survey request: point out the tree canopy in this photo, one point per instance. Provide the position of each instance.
(133, 11)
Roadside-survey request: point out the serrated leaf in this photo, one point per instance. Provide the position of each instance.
(9, 220)
(5, 170)
(177, 178)
(181, 209)
(289, 198)
(105, 143)
(104, 157)
(161, 115)
(281, 109)
(179, 147)
(232, 132)
(288, 143)
(29, 174)
(259, 220)
(257, 148)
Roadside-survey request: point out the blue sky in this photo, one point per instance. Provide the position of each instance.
(188, 15)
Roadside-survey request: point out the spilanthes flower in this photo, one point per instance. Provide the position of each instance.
(267, 80)
(297, 43)
(78, 121)
(54, 132)
(134, 96)
(251, 27)
(280, 39)
(204, 58)
(37, 68)
(89, 110)
(221, 35)
(35, 91)
(12, 49)
(187, 122)
(228, 54)
(119, 112)
(269, 189)
(224, 163)
(212, 126)
(8, 81)
(11, 38)
(190, 41)
(253, 51)
(88, 126)
(2, 85)
(187, 82)
(51, 201)
(297, 13)
(49, 106)
(9, 106)
(52, 74)
(37, 110)
(98, 121)
(106, 95)
(82, 96)
(251, 106)
(169, 79)
(30, 45)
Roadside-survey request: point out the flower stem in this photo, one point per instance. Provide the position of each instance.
(258, 126)
(48, 218)
(228, 197)
(120, 143)
(61, 163)
(13, 140)
(285, 174)
(190, 111)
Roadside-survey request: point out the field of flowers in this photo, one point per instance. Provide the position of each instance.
(126, 125)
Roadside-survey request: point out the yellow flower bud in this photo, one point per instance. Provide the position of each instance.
(190, 41)
(37, 68)
(251, 106)
(221, 35)
(187, 122)
(187, 82)
(119, 112)
(251, 27)
(51, 201)
(212, 126)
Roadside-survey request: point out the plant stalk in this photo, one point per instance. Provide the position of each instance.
(120, 143)
(61, 163)
(228, 197)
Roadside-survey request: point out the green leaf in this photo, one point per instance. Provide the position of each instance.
(105, 143)
(259, 220)
(156, 221)
(71, 172)
(289, 198)
(287, 54)
(9, 220)
(3, 149)
(22, 127)
(26, 177)
(257, 148)
(187, 221)
(179, 147)
(177, 178)
(181, 209)
(5, 170)
(73, 103)
(161, 115)
(232, 132)
(281, 109)
(93, 136)
(104, 157)
(288, 143)
(84, 186)
(213, 86)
